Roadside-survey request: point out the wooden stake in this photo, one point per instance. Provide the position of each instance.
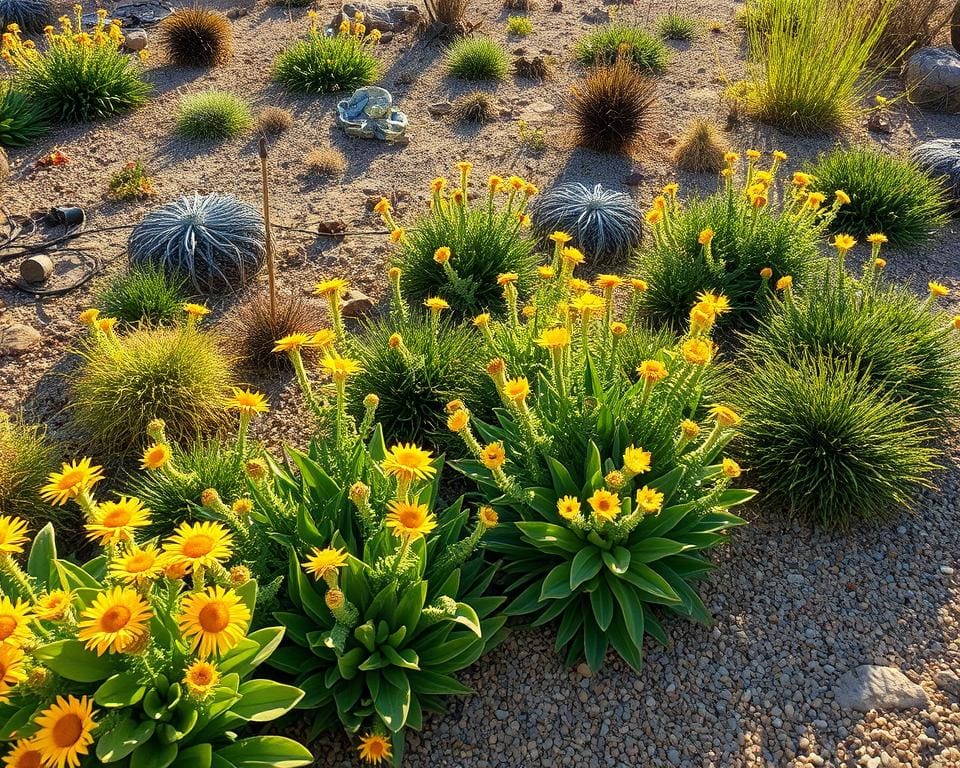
(271, 270)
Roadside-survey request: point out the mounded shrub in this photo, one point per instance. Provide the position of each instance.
(888, 194)
(477, 58)
(27, 456)
(611, 109)
(196, 37)
(21, 121)
(213, 115)
(252, 332)
(676, 26)
(217, 242)
(144, 294)
(610, 43)
(328, 64)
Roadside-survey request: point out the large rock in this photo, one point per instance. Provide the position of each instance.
(873, 687)
(932, 77)
(135, 39)
(386, 18)
(941, 157)
(17, 338)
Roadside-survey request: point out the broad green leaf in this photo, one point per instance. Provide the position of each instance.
(121, 690)
(601, 602)
(266, 752)
(557, 583)
(43, 555)
(655, 548)
(123, 736)
(586, 564)
(617, 560)
(264, 700)
(69, 659)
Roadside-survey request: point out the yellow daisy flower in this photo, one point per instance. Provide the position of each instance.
(201, 678)
(155, 456)
(194, 545)
(72, 480)
(335, 286)
(14, 621)
(53, 605)
(137, 566)
(213, 621)
(410, 521)
(13, 535)
(65, 731)
(11, 670)
(24, 755)
(652, 371)
(568, 507)
(293, 342)
(116, 521)
(493, 455)
(650, 500)
(116, 619)
(637, 460)
(374, 749)
(407, 461)
(554, 338)
(517, 389)
(605, 505)
(340, 367)
(697, 351)
(247, 402)
(323, 562)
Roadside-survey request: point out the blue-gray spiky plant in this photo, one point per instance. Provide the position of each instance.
(215, 241)
(605, 224)
(30, 15)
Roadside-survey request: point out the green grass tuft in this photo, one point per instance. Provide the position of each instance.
(521, 26)
(26, 458)
(213, 115)
(144, 294)
(605, 45)
(676, 26)
(22, 122)
(477, 58)
(322, 64)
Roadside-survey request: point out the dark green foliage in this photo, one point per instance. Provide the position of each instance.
(322, 64)
(825, 446)
(213, 115)
(676, 26)
(21, 121)
(477, 58)
(414, 387)
(27, 456)
(887, 194)
(144, 293)
(605, 45)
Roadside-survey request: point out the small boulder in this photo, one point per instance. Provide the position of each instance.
(439, 108)
(948, 680)
(356, 304)
(135, 39)
(16, 339)
(941, 157)
(874, 687)
(386, 18)
(932, 77)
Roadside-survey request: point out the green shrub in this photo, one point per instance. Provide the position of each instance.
(21, 121)
(605, 45)
(483, 239)
(416, 379)
(780, 235)
(70, 80)
(676, 26)
(144, 293)
(519, 25)
(824, 446)
(328, 64)
(888, 194)
(477, 58)
(27, 456)
(794, 90)
(177, 374)
(213, 115)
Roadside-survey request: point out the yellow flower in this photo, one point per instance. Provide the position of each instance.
(482, 320)
(607, 282)
(784, 282)
(730, 157)
(766, 273)
(605, 505)
(706, 236)
(196, 311)
(65, 731)
(13, 536)
(517, 389)
(877, 238)
(956, 322)
(323, 562)
(697, 351)
(441, 255)
(568, 507)
(247, 402)
(155, 456)
(198, 545)
(506, 278)
(15, 621)
(374, 749)
(652, 371)
(560, 238)
(554, 338)
(689, 428)
(577, 286)
(335, 286)
(116, 619)
(724, 416)
(938, 290)
(106, 324)
(617, 328)
(137, 566)
(454, 405)
(383, 206)
(879, 263)
(843, 243)
(753, 154)
(340, 367)
(436, 304)
(396, 235)
(801, 179)
(72, 480)
(201, 678)
(11, 670)
(815, 200)
(407, 461)
(671, 189)
(488, 516)
(637, 460)
(731, 468)
(409, 521)
(588, 303)
(395, 341)
(546, 272)
(842, 197)
(650, 500)
(457, 421)
(493, 456)
(24, 753)
(780, 155)
(213, 621)
(702, 316)
(116, 521)
(52, 605)
(640, 286)
(653, 216)
(572, 256)
(89, 316)
(293, 342)
(438, 184)
(495, 184)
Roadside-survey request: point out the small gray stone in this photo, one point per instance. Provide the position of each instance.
(135, 39)
(871, 686)
(386, 18)
(948, 680)
(17, 338)
(236, 13)
(932, 77)
(356, 304)
(439, 108)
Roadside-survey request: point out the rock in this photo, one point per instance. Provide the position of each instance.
(947, 680)
(439, 108)
(386, 18)
(635, 179)
(135, 39)
(871, 686)
(941, 157)
(370, 114)
(236, 13)
(878, 122)
(356, 304)
(17, 338)
(332, 227)
(4, 165)
(537, 111)
(558, 6)
(932, 78)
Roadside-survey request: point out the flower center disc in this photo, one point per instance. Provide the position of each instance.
(114, 619)
(214, 617)
(67, 730)
(198, 546)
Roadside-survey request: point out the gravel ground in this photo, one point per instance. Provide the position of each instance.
(794, 608)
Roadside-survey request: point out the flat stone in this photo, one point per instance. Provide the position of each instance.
(439, 108)
(871, 686)
(135, 39)
(356, 304)
(941, 157)
(236, 13)
(932, 78)
(16, 339)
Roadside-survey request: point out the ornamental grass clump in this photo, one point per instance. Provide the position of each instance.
(325, 63)
(888, 194)
(701, 148)
(792, 89)
(676, 26)
(177, 374)
(26, 457)
(142, 656)
(196, 37)
(251, 333)
(455, 252)
(611, 43)
(77, 75)
(612, 109)
(216, 115)
(753, 231)
(611, 490)
(143, 294)
(477, 58)
(21, 121)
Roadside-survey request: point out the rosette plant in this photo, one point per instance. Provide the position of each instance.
(612, 491)
(387, 599)
(140, 657)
